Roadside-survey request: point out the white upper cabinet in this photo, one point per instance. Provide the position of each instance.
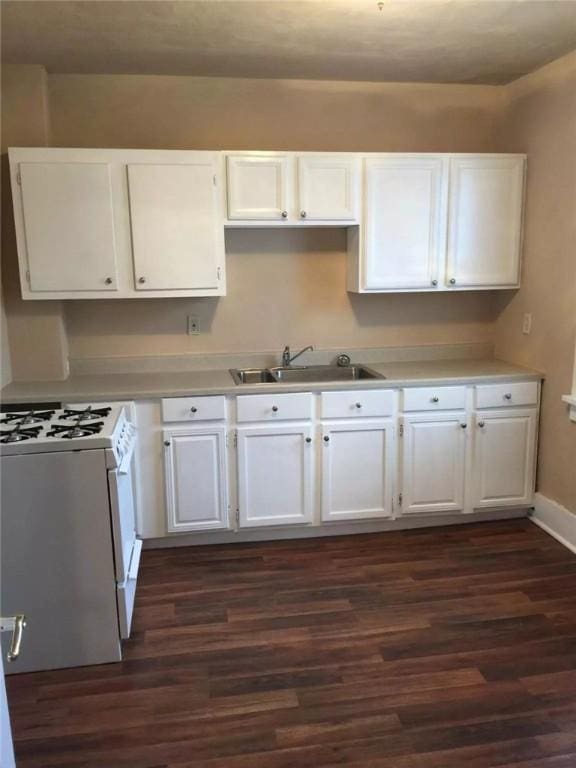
(257, 186)
(485, 221)
(405, 216)
(328, 187)
(176, 229)
(65, 227)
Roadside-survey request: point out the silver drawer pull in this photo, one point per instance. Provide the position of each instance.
(275, 408)
(463, 425)
(481, 424)
(508, 396)
(194, 409)
(358, 405)
(14, 624)
(434, 399)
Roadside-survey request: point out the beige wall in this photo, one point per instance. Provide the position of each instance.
(38, 343)
(541, 121)
(283, 287)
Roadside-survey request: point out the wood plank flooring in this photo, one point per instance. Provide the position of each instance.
(437, 648)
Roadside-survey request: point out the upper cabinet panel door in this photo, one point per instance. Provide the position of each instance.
(68, 226)
(328, 188)
(257, 187)
(485, 221)
(176, 225)
(405, 222)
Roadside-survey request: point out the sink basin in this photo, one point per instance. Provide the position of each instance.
(304, 374)
(252, 376)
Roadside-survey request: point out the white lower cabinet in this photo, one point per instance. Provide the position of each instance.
(357, 470)
(196, 478)
(504, 451)
(275, 475)
(433, 472)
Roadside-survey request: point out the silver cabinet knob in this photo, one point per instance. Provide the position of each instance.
(302, 214)
(284, 214)
(358, 405)
(508, 396)
(481, 423)
(326, 439)
(141, 280)
(434, 283)
(434, 399)
(194, 409)
(275, 408)
(167, 443)
(108, 281)
(308, 439)
(464, 425)
(452, 281)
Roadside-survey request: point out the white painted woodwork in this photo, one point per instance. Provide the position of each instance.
(210, 407)
(196, 478)
(433, 398)
(433, 462)
(357, 470)
(405, 215)
(275, 475)
(69, 238)
(503, 466)
(175, 225)
(357, 403)
(274, 407)
(257, 186)
(511, 394)
(485, 221)
(328, 187)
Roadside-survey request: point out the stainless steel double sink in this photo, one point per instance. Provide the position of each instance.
(303, 374)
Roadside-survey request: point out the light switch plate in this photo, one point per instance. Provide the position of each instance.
(527, 323)
(193, 325)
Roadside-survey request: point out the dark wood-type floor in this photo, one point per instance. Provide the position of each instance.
(439, 648)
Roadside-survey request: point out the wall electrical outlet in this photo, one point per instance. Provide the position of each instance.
(193, 325)
(527, 323)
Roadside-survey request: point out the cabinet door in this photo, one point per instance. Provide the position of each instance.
(196, 479)
(504, 445)
(328, 188)
(433, 462)
(69, 227)
(357, 470)
(275, 467)
(485, 221)
(257, 187)
(176, 226)
(405, 222)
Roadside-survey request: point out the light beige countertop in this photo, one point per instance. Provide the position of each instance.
(146, 386)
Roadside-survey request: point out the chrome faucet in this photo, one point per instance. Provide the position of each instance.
(288, 359)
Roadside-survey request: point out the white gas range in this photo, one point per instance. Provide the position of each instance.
(70, 555)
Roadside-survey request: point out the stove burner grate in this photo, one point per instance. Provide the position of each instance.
(88, 414)
(71, 431)
(18, 434)
(32, 417)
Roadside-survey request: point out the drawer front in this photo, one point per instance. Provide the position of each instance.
(273, 407)
(501, 395)
(194, 408)
(357, 403)
(434, 398)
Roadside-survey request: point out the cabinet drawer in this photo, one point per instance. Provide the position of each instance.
(498, 395)
(434, 398)
(193, 408)
(273, 407)
(358, 403)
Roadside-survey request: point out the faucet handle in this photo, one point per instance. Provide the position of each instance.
(343, 360)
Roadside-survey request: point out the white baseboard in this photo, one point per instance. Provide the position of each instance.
(556, 520)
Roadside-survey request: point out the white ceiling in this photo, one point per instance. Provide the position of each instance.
(452, 41)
